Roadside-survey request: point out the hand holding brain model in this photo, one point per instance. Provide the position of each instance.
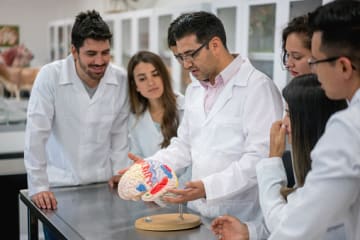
(147, 180)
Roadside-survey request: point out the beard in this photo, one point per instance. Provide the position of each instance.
(86, 70)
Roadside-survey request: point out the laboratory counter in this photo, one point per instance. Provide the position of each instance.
(97, 212)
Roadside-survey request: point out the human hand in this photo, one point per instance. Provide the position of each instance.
(135, 158)
(277, 139)
(45, 200)
(114, 180)
(228, 227)
(193, 190)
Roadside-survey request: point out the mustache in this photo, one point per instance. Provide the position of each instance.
(97, 65)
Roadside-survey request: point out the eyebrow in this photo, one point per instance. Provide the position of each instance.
(143, 74)
(94, 51)
(186, 52)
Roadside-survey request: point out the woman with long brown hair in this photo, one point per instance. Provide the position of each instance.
(156, 110)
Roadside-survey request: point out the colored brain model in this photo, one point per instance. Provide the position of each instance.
(146, 180)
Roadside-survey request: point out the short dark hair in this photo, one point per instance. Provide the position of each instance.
(299, 25)
(170, 37)
(339, 23)
(89, 25)
(309, 110)
(203, 24)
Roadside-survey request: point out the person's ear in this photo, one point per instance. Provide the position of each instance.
(215, 44)
(346, 67)
(74, 52)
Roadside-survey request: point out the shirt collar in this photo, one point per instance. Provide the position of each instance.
(225, 75)
(355, 98)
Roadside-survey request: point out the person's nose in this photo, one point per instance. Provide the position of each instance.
(99, 59)
(289, 63)
(187, 64)
(151, 81)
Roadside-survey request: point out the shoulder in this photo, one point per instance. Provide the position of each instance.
(249, 75)
(194, 88)
(53, 67)
(337, 149)
(180, 100)
(50, 73)
(117, 70)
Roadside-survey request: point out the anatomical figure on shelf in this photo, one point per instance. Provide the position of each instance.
(15, 73)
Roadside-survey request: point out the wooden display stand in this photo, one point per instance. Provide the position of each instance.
(168, 222)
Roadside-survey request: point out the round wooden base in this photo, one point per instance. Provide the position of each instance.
(168, 222)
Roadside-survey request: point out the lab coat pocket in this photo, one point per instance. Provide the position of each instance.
(100, 129)
(229, 132)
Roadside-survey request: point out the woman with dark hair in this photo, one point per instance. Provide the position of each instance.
(156, 110)
(152, 101)
(307, 112)
(296, 46)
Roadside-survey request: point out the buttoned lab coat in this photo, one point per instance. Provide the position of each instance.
(70, 138)
(225, 145)
(271, 177)
(332, 187)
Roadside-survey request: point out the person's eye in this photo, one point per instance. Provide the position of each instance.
(155, 74)
(106, 53)
(91, 54)
(141, 79)
(297, 56)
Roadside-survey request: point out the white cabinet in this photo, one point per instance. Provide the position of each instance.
(131, 33)
(253, 29)
(162, 19)
(60, 38)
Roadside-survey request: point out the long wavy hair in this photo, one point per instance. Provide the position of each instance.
(309, 110)
(139, 104)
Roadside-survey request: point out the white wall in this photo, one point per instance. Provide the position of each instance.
(33, 16)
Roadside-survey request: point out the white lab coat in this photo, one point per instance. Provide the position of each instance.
(225, 145)
(71, 139)
(145, 138)
(332, 187)
(271, 177)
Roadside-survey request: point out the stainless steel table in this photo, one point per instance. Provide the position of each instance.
(96, 212)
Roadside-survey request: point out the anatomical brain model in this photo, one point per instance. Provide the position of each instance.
(146, 180)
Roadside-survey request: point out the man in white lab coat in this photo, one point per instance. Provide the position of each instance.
(76, 129)
(225, 129)
(332, 187)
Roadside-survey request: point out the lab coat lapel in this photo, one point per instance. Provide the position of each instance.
(105, 83)
(70, 78)
(240, 79)
(223, 98)
(151, 125)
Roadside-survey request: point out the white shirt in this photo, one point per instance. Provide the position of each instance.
(145, 138)
(225, 145)
(71, 139)
(332, 187)
(271, 177)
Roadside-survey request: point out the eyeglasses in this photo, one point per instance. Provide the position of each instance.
(190, 56)
(312, 62)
